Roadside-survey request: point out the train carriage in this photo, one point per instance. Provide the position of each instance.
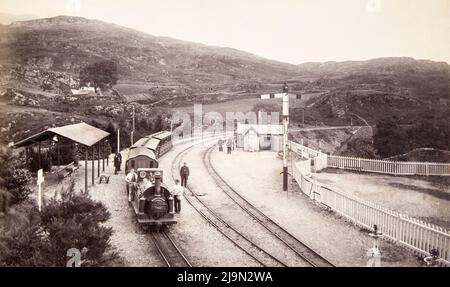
(140, 157)
(145, 152)
(165, 142)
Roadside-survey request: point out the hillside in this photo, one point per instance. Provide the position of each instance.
(29, 50)
(163, 73)
(375, 89)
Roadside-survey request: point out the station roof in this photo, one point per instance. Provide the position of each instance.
(260, 129)
(140, 150)
(81, 133)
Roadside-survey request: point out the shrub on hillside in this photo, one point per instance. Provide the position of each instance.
(33, 161)
(100, 74)
(13, 177)
(391, 139)
(73, 221)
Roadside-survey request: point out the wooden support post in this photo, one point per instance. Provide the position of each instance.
(59, 157)
(108, 152)
(103, 156)
(39, 157)
(98, 160)
(93, 164)
(86, 171)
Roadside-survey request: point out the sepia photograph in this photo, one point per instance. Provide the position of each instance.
(231, 134)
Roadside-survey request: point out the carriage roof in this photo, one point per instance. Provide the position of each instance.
(152, 143)
(141, 151)
(162, 135)
(140, 142)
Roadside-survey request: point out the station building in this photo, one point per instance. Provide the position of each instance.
(254, 137)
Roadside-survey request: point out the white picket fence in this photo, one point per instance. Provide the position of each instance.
(389, 167)
(414, 234)
(371, 165)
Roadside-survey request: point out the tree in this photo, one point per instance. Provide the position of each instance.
(268, 108)
(158, 124)
(389, 138)
(100, 74)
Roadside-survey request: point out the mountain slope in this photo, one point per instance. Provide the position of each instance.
(69, 43)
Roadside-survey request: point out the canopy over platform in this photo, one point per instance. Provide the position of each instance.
(81, 133)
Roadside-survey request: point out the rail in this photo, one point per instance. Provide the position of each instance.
(240, 240)
(302, 250)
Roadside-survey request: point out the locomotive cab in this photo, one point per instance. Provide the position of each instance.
(151, 199)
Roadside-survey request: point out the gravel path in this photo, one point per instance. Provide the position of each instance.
(257, 177)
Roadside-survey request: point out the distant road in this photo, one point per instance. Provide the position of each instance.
(325, 128)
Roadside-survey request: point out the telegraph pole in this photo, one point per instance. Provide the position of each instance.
(285, 113)
(285, 134)
(132, 131)
(118, 140)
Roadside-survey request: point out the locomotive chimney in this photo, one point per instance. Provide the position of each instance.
(158, 180)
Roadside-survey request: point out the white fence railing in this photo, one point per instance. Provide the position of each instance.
(320, 162)
(371, 165)
(303, 151)
(389, 167)
(409, 232)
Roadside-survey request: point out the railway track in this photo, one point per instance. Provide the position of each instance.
(305, 252)
(169, 251)
(237, 238)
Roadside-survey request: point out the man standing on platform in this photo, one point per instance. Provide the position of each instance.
(229, 145)
(184, 174)
(120, 160)
(220, 143)
(117, 162)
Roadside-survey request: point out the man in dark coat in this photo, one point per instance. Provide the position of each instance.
(184, 174)
(117, 162)
(220, 143)
(229, 145)
(120, 161)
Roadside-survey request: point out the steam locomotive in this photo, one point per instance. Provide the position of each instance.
(151, 200)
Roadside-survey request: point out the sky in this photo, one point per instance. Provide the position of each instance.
(293, 31)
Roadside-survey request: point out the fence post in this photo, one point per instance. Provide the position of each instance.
(426, 169)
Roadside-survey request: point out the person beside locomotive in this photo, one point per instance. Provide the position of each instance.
(184, 174)
(177, 192)
(131, 180)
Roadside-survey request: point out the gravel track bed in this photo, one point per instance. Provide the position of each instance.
(203, 184)
(258, 179)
